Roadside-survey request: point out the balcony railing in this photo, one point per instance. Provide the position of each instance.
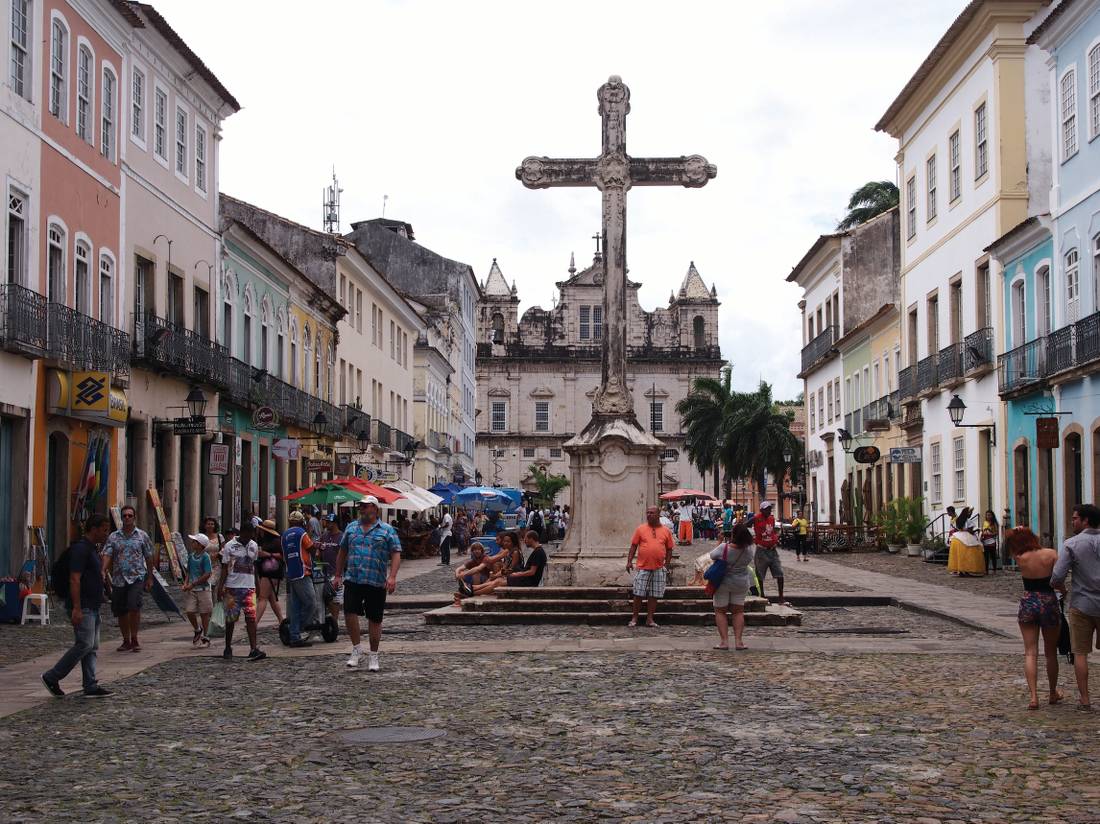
(949, 363)
(894, 399)
(177, 349)
(977, 350)
(817, 349)
(438, 441)
(1060, 350)
(81, 342)
(401, 440)
(22, 320)
(1073, 346)
(355, 420)
(1088, 339)
(380, 435)
(877, 410)
(907, 382)
(927, 374)
(1023, 366)
(250, 386)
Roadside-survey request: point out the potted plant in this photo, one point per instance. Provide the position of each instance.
(914, 526)
(891, 522)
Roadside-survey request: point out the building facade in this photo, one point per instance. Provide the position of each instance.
(536, 375)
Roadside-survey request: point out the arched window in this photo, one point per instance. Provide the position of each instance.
(81, 278)
(699, 330)
(1042, 301)
(106, 288)
(246, 325)
(293, 352)
(307, 360)
(59, 70)
(317, 373)
(331, 370)
(498, 328)
(265, 334)
(1073, 286)
(107, 115)
(1019, 314)
(85, 66)
(55, 264)
(280, 345)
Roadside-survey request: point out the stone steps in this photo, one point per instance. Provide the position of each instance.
(775, 616)
(623, 605)
(593, 593)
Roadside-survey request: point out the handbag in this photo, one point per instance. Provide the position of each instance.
(716, 571)
(1064, 646)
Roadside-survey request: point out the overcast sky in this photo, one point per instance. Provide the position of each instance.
(435, 104)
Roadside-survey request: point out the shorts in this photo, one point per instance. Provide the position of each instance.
(198, 600)
(363, 599)
(238, 601)
(1039, 608)
(732, 591)
(768, 559)
(1082, 627)
(126, 598)
(650, 583)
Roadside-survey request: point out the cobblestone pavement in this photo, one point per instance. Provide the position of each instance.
(1004, 584)
(657, 737)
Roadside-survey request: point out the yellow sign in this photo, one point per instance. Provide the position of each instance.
(88, 396)
(91, 392)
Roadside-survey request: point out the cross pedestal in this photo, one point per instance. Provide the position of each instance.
(613, 460)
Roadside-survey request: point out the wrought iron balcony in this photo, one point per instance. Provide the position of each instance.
(894, 401)
(177, 349)
(78, 341)
(819, 348)
(22, 320)
(401, 440)
(438, 441)
(949, 364)
(907, 382)
(1060, 350)
(877, 410)
(355, 420)
(1088, 340)
(977, 350)
(381, 434)
(1023, 366)
(1074, 346)
(927, 374)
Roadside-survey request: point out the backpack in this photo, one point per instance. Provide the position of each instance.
(59, 574)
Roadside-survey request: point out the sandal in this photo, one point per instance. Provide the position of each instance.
(1034, 705)
(1057, 698)
(719, 646)
(741, 648)
(633, 623)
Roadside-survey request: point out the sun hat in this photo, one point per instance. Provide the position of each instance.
(269, 527)
(200, 539)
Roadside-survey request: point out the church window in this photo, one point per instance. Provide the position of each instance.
(670, 455)
(499, 418)
(656, 416)
(586, 322)
(542, 416)
(528, 451)
(597, 322)
(498, 328)
(699, 328)
(555, 452)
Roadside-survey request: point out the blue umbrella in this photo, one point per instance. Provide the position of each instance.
(444, 491)
(484, 497)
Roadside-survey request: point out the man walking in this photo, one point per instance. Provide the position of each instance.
(82, 602)
(370, 554)
(687, 527)
(300, 594)
(314, 525)
(652, 542)
(767, 549)
(238, 590)
(1080, 556)
(445, 527)
(126, 558)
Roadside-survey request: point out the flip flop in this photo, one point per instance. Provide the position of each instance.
(719, 646)
(1057, 698)
(741, 648)
(1034, 705)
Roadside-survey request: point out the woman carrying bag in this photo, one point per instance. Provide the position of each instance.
(729, 593)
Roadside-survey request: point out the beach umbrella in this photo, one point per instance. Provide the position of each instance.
(330, 494)
(484, 497)
(680, 494)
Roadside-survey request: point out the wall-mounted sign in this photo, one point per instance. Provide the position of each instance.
(219, 459)
(343, 465)
(315, 465)
(876, 424)
(287, 449)
(265, 418)
(188, 426)
(1046, 433)
(88, 396)
(904, 454)
(867, 455)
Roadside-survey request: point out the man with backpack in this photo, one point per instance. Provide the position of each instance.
(78, 581)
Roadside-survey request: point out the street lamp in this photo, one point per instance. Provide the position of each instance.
(845, 439)
(410, 449)
(320, 421)
(956, 409)
(196, 403)
(363, 440)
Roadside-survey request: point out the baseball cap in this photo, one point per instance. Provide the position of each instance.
(369, 499)
(200, 539)
(297, 516)
(766, 505)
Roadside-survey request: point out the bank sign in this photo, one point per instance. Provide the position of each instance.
(905, 454)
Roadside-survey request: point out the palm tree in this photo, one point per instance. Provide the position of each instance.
(548, 485)
(703, 414)
(869, 200)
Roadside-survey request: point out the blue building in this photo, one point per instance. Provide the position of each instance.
(1051, 366)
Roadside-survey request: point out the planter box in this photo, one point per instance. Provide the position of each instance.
(913, 550)
(895, 549)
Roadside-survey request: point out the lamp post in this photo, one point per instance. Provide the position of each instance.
(787, 456)
(196, 404)
(956, 409)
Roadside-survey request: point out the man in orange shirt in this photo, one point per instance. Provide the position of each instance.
(652, 542)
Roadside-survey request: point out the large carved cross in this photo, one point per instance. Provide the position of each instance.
(613, 173)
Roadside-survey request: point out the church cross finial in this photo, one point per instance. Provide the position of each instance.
(572, 265)
(596, 237)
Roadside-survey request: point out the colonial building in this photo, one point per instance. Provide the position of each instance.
(536, 375)
(447, 292)
(850, 363)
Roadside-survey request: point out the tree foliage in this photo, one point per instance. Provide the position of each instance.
(868, 201)
(548, 485)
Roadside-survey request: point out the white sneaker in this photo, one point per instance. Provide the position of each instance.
(356, 656)
(372, 662)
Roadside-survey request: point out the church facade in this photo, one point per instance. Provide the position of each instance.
(537, 374)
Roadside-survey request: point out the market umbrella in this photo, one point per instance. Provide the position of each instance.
(330, 494)
(678, 494)
(384, 496)
(484, 497)
(444, 491)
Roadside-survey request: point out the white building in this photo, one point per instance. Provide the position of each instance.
(962, 171)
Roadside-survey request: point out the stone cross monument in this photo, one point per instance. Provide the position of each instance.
(613, 459)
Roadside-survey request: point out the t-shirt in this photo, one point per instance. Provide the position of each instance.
(738, 559)
(764, 527)
(802, 525)
(727, 519)
(445, 527)
(84, 561)
(130, 553)
(197, 566)
(240, 561)
(686, 512)
(536, 560)
(296, 544)
(653, 543)
(327, 549)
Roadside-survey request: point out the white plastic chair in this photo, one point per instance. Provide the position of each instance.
(43, 602)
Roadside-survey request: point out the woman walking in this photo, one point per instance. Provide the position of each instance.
(270, 566)
(991, 534)
(214, 549)
(1039, 611)
(738, 553)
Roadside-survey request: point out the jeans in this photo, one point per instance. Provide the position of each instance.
(83, 650)
(800, 545)
(300, 604)
(445, 550)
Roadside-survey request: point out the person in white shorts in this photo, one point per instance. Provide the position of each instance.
(738, 552)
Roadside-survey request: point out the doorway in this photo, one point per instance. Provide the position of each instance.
(1021, 475)
(57, 496)
(246, 480)
(1046, 496)
(1073, 478)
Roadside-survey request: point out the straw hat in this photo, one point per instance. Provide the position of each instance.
(269, 527)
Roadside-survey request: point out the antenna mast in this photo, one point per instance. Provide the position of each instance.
(330, 206)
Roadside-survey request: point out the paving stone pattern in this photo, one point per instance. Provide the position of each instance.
(1005, 584)
(658, 737)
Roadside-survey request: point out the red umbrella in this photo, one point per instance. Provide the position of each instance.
(677, 494)
(384, 496)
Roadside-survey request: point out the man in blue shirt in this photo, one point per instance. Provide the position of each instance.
(300, 594)
(370, 555)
